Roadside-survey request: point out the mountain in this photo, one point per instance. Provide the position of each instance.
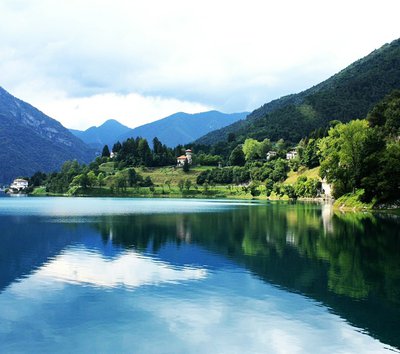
(182, 128)
(348, 95)
(31, 141)
(106, 134)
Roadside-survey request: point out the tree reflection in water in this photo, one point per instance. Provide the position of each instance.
(348, 261)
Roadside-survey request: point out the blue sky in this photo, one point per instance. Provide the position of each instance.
(83, 62)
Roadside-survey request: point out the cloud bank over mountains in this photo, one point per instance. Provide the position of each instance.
(84, 62)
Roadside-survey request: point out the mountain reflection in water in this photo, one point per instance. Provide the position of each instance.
(348, 262)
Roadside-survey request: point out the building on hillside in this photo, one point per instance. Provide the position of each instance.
(326, 188)
(291, 155)
(19, 184)
(180, 161)
(271, 154)
(112, 154)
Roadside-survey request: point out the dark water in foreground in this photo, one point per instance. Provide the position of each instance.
(181, 276)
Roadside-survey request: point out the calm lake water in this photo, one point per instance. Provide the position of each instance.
(108, 275)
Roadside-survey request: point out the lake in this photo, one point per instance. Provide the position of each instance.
(110, 275)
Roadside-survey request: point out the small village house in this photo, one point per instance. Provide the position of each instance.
(291, 155)
(180, 161)
(19, 184)
(271, 154)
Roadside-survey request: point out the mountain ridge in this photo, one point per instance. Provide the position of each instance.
(31, 141)
(176, 129)
(349, 94)
(104, 134)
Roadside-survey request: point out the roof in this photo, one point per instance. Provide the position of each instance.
(182, 157)
(188, 150)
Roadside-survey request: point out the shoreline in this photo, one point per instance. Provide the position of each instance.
(216, 194)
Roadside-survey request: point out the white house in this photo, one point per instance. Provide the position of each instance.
(326, 188)
(291, 155)
(19, 184)
(270, 155)
(180, 161)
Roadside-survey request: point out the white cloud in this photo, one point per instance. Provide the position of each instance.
(229, 55)
(132, 109)
(131, 270)
(79, 290)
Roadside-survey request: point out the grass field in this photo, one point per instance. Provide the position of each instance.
(159, 176)
(292, 176)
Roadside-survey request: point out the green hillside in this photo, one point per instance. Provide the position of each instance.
(348, 95)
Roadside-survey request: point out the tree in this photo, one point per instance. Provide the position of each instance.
(92, 179)
(237, 157)
(116, 147)
(106, 151)
(188, 184)
(144, 152)
(265, 146)
(342, 153)
(100, 179)
(309, 156)
(132, 177)
(81, 180)
(147, 182)
(186, 166)
(251, 149)
(167, 182)
(181, 185)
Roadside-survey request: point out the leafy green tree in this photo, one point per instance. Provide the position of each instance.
(181, 185)
(100, 179)
(309, 156)
(265, 146)
(132, 177)
(251, 149)
(254, 188)
(167, 182)
(81, 180)
(237, 157)
(342, 153)
(188, 184)
(92, 178)
(269, 183)
(147, 182)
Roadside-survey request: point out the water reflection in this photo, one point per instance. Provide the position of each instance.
(130, 269)
(208, 274)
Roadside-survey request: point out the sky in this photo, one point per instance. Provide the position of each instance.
(83, 62)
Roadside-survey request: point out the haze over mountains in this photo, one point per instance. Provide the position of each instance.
(30, 141)
(178, 128)
(348, 95)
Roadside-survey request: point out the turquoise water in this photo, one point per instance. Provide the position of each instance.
(196, 276)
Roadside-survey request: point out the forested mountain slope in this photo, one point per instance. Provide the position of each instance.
(30, 141)
(348, 95)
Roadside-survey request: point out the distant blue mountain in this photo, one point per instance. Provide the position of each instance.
(178, 128)
(105, 134)
(183, 128)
